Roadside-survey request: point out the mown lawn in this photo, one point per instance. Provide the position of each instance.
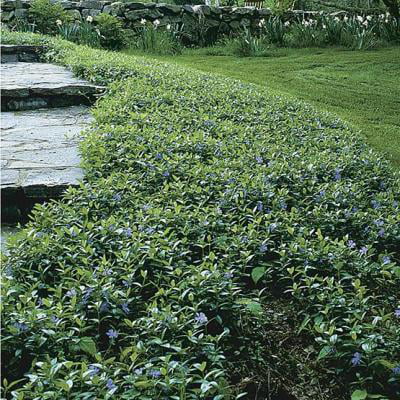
(362, 87)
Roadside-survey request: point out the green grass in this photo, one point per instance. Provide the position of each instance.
(362, 87)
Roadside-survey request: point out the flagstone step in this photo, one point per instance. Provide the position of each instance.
(28, 86)
(23, 53)
(40, 156)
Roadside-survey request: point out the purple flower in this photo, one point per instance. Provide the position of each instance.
(283, 205)
(381, 233)
(54, 319)
(375, 204)
(112, 334)
(351, 244)
(364, 250)
(104, 307)
(127, 232)
(200, 318)
(379, 222)
(397, 313)
(154, 373)
(259, 206)
(166, 174)
(71, 293)
(396, 370)
(337, 176)
(117, 197)
(138, 371)
(93, 370)
(356, 359)
(228, 275)
(259, 160)
(263, 248)
(110, 384)
(126, 283)
(159, 156)
(22, 327)
(386, 260)
(125, 308)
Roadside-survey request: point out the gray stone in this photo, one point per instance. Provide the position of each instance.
(90, 13)
(139, 14)
(243, 11)
(93, 4)
(188, 8)
(41, 150)
(169, 9)
(20, 13)
(135, 6)
(202, 9)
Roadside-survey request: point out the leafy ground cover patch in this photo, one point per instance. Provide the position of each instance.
(222, 235)
(361, 87)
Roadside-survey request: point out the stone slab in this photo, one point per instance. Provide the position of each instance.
(40, 156)
(33, 85)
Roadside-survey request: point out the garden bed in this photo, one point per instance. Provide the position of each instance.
(212, 215)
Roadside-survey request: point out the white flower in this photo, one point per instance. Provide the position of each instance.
(168, 27)
(323, 26)
(261, 23)
(365, 23)
(382, 16)
(287, 23)
(59, 22)
(369, 17)
(143, 21)
(156, 22)
(360, 18)
(345, 19)
(336, 19)
(89, 18)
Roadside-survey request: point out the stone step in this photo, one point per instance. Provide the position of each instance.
(22, 53)
(29, 86)
(40, 157)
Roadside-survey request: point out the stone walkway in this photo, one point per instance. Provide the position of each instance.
(46, 108)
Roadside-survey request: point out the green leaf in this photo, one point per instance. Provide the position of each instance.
(257, 273)
(88, 345)
(359, 395)
(324, 352)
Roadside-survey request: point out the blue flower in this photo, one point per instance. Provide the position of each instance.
(283, 205)
(110, 384)
(159, 156)
(93, 370)
(356, 359)
(228, 275)
(201, 318)
(71, 293)
(166, 174)
(127, 232)
(112, 334)
(125, 308)
(396, 370)
(351, 244)
(22, 327)
(263, 248)
(54, 319)
(259, 206)
(117, 197)
(381, 233)
(138, 371)
(337, 176)
(375, 204)
(259, 160)
(154, 373)
(364, 250)
(104, 307)
(386, 260)
(397, 313)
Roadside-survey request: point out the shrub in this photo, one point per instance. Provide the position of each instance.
(274, 30)
(358, 34)
(247, 44)
(47, 16)
(111, 31)
(204, 200)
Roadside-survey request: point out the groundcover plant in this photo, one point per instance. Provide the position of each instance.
(206, 203)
